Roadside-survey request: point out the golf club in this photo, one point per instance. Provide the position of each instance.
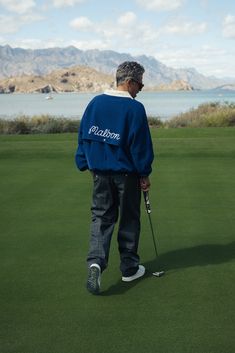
(148, 209)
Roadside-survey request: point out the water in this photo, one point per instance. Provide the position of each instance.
(168, 104)
(71, 105)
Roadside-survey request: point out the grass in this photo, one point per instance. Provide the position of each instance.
(45, 202)
(205, 115)
(38, 124)
(213, 114)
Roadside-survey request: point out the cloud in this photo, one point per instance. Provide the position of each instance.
(81, 23)
(34, 43)
(229, 27)
(206, 59)
(204, 3)
(161, 5)
(63, 3)
(90, 44)
(122, 28)
(116, 34)
(24, 15)
(11, 24)
(17, 6)
(8, 24)
(127, 19)
(187, 28)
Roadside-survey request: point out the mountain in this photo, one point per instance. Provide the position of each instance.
(74, 79)
(228, 87)
(18, 61)
(179, 85)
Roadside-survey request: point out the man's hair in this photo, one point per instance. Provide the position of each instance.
(129, 70)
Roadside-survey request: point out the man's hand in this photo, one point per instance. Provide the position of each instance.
(145, 183)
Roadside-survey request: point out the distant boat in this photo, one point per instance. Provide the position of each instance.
(49, 97)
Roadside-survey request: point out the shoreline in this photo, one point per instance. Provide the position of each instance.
(146, 90)
(206, 115)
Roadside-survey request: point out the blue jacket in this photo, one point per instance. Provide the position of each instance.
(114, 136)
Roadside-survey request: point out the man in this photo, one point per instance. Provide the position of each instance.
(115, 145)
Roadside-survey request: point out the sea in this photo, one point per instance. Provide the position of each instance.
(163, 105)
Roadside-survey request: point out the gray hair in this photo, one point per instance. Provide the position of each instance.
(129, 70)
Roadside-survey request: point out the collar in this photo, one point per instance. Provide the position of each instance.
(116, 93)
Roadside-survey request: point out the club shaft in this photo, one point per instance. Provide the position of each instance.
(154, 240)
(148, 209)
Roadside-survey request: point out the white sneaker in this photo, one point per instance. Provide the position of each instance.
(138, 274)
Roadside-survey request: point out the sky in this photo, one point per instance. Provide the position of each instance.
(179, 33)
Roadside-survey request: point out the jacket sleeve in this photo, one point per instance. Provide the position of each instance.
(141, 147)
(80, 157)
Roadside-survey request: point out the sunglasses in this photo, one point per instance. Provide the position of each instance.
(140, 84)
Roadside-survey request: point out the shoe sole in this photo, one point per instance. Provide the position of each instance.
(93, 282)
(140, 273)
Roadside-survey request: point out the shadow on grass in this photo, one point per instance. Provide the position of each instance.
(202, 255)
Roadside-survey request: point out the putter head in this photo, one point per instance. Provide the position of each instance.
(159, 273)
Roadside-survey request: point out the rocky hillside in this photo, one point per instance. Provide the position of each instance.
(228, 87)
(79, 78)
(18, 61)
(179, 85)
(75, 79)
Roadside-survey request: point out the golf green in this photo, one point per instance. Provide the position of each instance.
(45, 215)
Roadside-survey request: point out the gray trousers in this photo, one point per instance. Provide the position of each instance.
(115, 196)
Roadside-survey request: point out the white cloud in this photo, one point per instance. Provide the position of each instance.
(229, 19)
(62, 3)
(90, 44)
(33, 43)
(11, 24)
(8, 24)
(204, 3)
(123, 37)
(206, 59)
(187, 28)
(127, 19)
(229, 27)
(161, 5)
(18, 6)
(117, 35)
(81, 23)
